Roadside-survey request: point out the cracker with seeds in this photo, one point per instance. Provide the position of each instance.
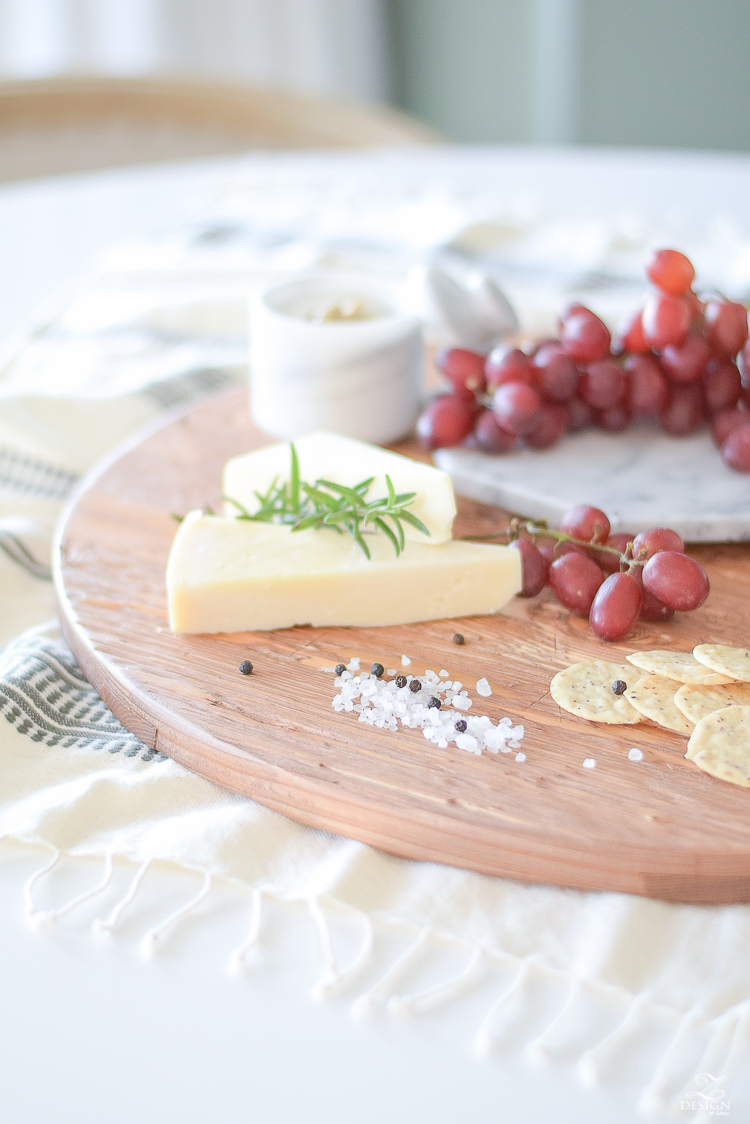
(725, 660)
(586, 690)
(653, 697)
(680, 666)
(720, 745)
(696, 700)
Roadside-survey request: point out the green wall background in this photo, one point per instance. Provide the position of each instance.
(622, 72)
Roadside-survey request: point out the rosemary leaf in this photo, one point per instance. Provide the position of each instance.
(294, 481)
(414, 522)
(387, 531)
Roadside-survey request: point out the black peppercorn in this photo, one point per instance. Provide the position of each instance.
(461, 726)
(245, 667)
(401, 680)
(458, 638)
(434, 701)
(377, 670)
(415, 685)
(619, 686)
(339, 669)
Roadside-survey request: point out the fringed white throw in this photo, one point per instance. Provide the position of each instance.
(74, 780)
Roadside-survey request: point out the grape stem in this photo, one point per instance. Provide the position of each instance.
(537, 527)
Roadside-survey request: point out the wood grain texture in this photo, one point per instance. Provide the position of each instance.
(660, 827)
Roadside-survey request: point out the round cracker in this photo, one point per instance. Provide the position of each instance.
(683, 667)
(653, 697)
(696, 700)
(734, 662)
(585, 689)
(720, 745)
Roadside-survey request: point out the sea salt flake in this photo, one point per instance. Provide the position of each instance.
(461, 702)
(635, 754)
(353, 664)
(391, 671)
(483, 688)
(444, 674)
(589, 763)
(467, 742)
(520, 758)
(405, 661)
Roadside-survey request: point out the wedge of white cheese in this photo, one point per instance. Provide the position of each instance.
(343, 460)
(230, 575)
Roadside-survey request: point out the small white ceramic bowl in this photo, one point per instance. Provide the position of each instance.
(359, 377)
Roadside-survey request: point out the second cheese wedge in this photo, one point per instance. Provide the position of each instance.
(346, 461)
(229, 575)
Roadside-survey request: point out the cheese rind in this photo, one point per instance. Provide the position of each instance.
(230, 575)
(345, 461)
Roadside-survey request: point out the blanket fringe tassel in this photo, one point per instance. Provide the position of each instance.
(725, 1053)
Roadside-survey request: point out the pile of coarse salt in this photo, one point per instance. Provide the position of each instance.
(380, 702)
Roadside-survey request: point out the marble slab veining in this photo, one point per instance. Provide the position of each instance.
(641, 478)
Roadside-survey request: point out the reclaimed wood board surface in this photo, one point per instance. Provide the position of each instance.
(659, 827)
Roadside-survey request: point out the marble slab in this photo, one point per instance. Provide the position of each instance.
(641, 478)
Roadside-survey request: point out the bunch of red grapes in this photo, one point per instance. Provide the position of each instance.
(682, 359)
(612, 579)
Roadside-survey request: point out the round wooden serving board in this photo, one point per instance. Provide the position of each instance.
(659, 827)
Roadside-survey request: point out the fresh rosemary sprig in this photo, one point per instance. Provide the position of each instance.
(342, 509)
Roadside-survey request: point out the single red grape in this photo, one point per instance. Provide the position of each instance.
(725, 422)
(651, 608)
(665, 320)
(574, 580)
(688, 362)
(735, 452)
(603, 384)
(508, 364)
(516, 406)
(580, 415)
(670, 271)
(551, 422)
(631, 335)
(615, 607)
(585, 337)
(534, 567)
(556, 374)
(448, 419)
(648, 390)
(721, 385)
(684, 411)
(490, 438)
(464, 368)
(610, 563)
(588, 524)
(650, 542)
(615, 419)
(726, 327)
(571, 309)
(676, 580)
